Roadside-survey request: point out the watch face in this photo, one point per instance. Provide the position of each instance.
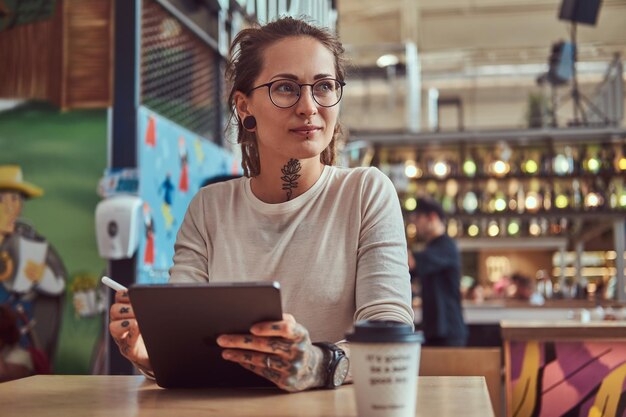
(341, 371)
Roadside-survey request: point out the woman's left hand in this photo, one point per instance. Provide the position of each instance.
(279, 351)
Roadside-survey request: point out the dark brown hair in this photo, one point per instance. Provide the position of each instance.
(9, 333)
(246, 63)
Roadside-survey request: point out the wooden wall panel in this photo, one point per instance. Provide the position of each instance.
(67, 60)
(88, 66)
(30, 60)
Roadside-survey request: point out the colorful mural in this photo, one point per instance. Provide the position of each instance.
(574, 379)
(173, 164)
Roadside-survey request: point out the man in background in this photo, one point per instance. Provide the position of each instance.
(438, 268)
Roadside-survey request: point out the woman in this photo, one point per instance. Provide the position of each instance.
(333, 238)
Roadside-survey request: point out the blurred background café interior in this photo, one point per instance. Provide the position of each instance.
(510, 113)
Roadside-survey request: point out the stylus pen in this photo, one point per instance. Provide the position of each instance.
(114, 285)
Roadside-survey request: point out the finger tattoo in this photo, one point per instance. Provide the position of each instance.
(275, 326)
(247, 356)
(125, 323)
(280, 345)
(247, 339)
(124, 310)
(271, 374)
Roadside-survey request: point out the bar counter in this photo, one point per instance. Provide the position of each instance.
(125, 396)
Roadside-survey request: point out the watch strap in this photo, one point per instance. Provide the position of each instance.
(332, 355)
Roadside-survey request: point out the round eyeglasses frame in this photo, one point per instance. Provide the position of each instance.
(269, 91)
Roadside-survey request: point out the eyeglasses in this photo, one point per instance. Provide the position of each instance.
(286, 93)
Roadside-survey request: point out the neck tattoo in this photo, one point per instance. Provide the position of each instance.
(290, 176)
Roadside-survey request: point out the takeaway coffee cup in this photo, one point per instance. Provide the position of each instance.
(384, 359)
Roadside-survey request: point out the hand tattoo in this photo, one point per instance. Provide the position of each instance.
(280, 345)
(125, 323)
(290, 176)
(124, 310)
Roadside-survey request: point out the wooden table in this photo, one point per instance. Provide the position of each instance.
(119, 396)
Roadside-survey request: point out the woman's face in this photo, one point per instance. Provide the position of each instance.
(304, 130)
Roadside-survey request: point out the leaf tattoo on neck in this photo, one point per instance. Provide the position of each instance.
(290, 176)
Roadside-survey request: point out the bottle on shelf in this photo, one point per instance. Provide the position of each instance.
(563, 162)
(591, 163)
(454, 228)
(513, 228)
(547, 196)
(493, 229)
(471, 201)
(530, 164)
(450, 193)
(620, 159)
(577, 200)
(473, 230)
(561, 199)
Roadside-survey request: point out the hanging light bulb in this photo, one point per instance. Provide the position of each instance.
(534, 229)
(411, 169)
(441, 169)
(513, 228)
(561, 165)
(410, 204)
(500, 204)
(592, 200)
(561, 201)
(499, 168)
(530, 166)
(532, 201)
(473, 230)
(469, 167)
(493, 229)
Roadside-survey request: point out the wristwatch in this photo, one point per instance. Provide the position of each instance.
(337, 364)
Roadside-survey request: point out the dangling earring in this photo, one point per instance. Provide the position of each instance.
(249, 123)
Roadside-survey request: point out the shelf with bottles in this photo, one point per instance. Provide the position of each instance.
(559, 196)
(501, 161)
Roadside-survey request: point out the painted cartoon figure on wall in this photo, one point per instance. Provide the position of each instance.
(183, 184)
(148, 257)
(167, 188)
(32, 274)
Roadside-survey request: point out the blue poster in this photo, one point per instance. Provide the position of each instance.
(173, 164)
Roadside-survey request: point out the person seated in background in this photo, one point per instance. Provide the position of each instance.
(332, 237)
(15, 361)
(438, 268)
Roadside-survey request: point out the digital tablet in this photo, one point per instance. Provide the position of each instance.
(181, 322)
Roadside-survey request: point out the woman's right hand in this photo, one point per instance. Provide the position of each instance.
(125, 331)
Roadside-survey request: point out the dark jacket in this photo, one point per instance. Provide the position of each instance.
(438, 268)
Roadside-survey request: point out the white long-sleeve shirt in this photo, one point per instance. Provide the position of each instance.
(338, 250)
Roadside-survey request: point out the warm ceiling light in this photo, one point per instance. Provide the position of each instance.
(473, 230)
(410, 204)
(441, 169)
(387, 60)
(469, 168)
